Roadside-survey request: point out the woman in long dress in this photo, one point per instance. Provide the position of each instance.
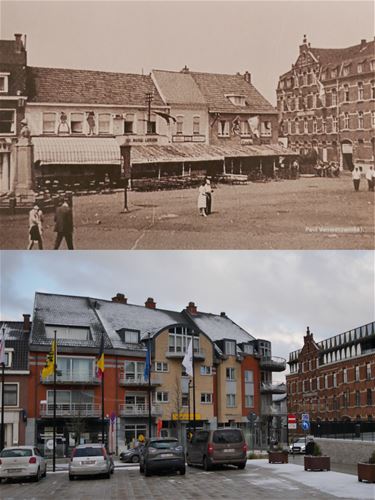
(202, 199)
(35, 227)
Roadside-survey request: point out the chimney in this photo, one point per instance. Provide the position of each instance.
(120, 298)
(185, 69)
(247, 77)
(192, 308)
(26, 323)
(150, 303)
(363, 42)
(223, 315)
(19, 45)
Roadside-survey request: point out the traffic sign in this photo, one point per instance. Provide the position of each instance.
(305, 417)
(292, 421)
(305, 425)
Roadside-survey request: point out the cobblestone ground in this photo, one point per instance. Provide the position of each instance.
(308, 213)
(127, 484)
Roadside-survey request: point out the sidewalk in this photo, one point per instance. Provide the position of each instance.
(333, 483)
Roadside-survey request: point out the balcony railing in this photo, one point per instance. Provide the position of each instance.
(266, 388)
(71, 410)
(72, 377)
(199, 354)
(127, 410)
(273, 364)
(138, 380)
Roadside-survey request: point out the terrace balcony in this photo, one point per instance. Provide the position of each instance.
(72, 377)
(266, 388)
(129, 380)
(199, 354)
(139, 410)
(272, 364)
(82, 410)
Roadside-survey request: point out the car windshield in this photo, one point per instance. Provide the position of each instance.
(88, 452)
(227, 436)
(16, 453)
(162, 445)
(300, 441)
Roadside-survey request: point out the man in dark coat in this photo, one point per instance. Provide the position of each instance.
(64, 225)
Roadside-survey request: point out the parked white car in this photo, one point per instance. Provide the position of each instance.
(298, 446)
(22, 461)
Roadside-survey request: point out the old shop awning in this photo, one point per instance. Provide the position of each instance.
(176, 153)
(76, 151)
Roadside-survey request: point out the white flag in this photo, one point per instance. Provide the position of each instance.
(2, 349)
(187, 362)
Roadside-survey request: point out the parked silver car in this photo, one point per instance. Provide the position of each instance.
(22, 461)
(90, 460)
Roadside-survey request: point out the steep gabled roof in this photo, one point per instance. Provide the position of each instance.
(337, 56)
(215, 88)
(60, 85)
(178, 88)
(218, 327)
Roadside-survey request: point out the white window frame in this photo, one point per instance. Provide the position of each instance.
(196, 125)
(13, 127)
(162, 397)
(100, 132)
(206, 370)
(75, 121)
(9, 357)
(133, 121)
(18, 394)
(249, 404)
(179, 124)
(5, 76)
(231, 401)
(55, 122)
(206, 398)
(237, 99)
(360, 91)
(223, 128)
(161, 367)
(230, 347)
(61, 329)
(360, 68)
(361, 120)
(231, 375)
(345, 376)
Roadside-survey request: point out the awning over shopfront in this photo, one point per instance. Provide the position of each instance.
(76, 151)
(201, 152)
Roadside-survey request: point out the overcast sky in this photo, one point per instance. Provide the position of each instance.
(274, 295)
(224, 37)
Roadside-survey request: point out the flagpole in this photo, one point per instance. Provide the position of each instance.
(54, 406)
(103, 424)
(148, 360)
(193, 358)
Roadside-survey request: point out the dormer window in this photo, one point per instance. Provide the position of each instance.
(237, 100)
(346, 70)
(334, 73)
(360, 67)
(4, 83)
(80, 333)
(129, 336)
(248, 348)
(230, 347)
(8, 358)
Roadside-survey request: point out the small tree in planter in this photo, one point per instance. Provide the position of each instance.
(317, 461)
(278, 455)
(366, 471)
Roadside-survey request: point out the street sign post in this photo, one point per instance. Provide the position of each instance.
(292, 421)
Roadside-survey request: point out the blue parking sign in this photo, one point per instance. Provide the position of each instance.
(305, 425)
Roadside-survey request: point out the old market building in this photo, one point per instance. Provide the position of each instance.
(233, 372)
(333, 380)
(326, 103)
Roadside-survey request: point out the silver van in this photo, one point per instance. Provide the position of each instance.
(221, 447)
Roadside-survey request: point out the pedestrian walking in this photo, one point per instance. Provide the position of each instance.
(202, 199)
(208, 190)
(35, 227)
(356, 176)
(370, 176)
(64, 225)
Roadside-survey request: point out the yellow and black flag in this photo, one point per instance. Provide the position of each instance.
(49, 367)
(100, 360)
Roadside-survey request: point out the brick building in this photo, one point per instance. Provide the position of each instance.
(326, 103)
(16, 374)
(233, 371)
(333, 380)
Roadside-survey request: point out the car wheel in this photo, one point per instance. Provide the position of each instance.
(37, 477)
(182, 471)
(242, 466)
(206, 464)
(71, 478)
(135, 459)
(188, 461)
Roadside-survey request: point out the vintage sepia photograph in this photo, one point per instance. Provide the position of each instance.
(187, 125)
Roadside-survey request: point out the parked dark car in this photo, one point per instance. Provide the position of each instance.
(220, 447)
(162, 454)
(132, 455)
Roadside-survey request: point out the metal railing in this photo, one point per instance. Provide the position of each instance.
(272, 388)
(71, 409)
(131, 380)
(198, 354)
(272, 363)
(139, 410)
(72, 377)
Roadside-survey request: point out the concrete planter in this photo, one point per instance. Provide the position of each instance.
(317, 463)
(366, 472)
(277, 457)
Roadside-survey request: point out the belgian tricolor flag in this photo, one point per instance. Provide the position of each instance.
(100, 360)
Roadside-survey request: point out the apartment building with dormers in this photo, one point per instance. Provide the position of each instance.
(326, 103)
(333, 380)
(232, 372)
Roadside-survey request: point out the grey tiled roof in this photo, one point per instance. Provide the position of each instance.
(336, 56)
(61, 85)
(215, 87)
(18, 339)
(220, 327)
